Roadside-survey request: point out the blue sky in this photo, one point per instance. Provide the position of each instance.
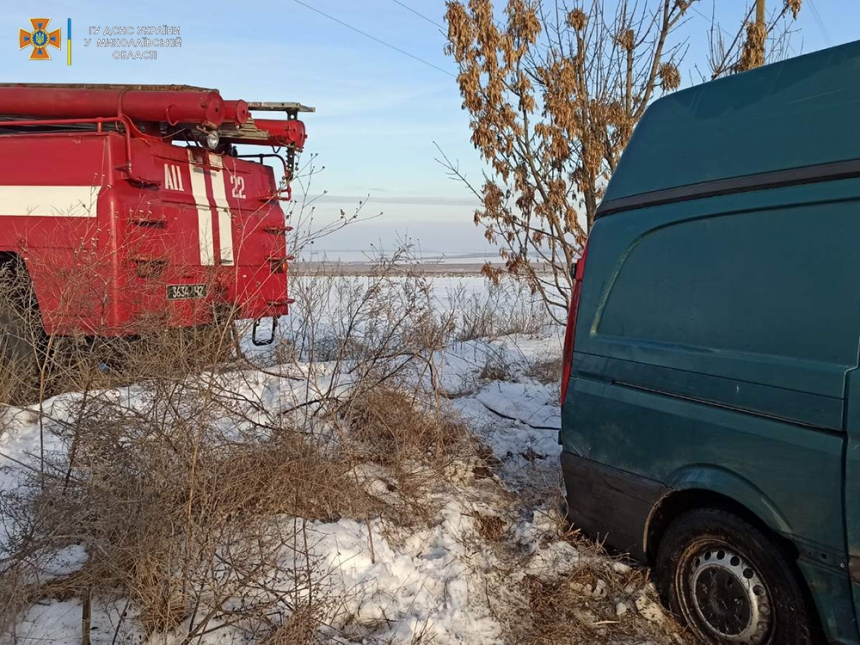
(379, 112)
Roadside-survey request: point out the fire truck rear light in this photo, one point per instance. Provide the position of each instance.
(278, 265)
(570, 332)
(280, 303)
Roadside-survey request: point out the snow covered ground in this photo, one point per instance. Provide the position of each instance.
(469, 575)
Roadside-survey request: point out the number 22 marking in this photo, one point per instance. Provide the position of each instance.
(238, 183)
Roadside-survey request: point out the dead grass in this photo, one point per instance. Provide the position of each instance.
(419, 444)
(581, 595)
(394, 426)
(508, 307)
(593, 605)
(491, 527)
(545, 370)
(182, 488)
(173, 516)
(497, 368)
(300, 629)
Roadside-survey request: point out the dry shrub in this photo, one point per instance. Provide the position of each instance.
(190, 487)
(393, 426)
(545, 370)
(299, 630)
(15, 559)
(21, 347)
(176, 517)
(497, 368)
(583, 606)
(43, 365)
(506, 307)
(181, 499)
(192, 481)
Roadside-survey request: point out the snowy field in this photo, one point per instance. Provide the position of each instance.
(469, 548)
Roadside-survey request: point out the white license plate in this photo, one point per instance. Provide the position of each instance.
(186, 291)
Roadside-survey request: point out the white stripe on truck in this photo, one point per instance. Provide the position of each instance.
(225, 221)
(49, 201)
(204, 214)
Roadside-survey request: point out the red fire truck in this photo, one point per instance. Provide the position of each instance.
(128, 204)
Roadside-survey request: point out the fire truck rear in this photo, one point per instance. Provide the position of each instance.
(131, 206)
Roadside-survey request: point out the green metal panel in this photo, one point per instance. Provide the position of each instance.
(743, 258)
(713, 342)
(831, 593)
(852, 476)
(795, 113)
(788, 475)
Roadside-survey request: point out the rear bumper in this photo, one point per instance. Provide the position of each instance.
(140, 303)
(609, 505)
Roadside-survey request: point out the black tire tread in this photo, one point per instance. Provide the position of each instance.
(794, 617)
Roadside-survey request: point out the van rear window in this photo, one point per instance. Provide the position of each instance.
(778, 282)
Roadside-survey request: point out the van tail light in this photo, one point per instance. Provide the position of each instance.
(570, 332)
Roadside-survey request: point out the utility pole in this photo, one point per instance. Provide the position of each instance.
(761, 32)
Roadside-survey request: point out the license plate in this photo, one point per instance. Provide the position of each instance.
(186, 291)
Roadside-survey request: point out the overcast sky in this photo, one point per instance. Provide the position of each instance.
(379, 112)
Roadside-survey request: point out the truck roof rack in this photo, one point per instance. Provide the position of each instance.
(114, 86)
(279, 106)
(261, 106)
(162, 111)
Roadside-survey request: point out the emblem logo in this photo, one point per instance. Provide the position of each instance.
(39, 39)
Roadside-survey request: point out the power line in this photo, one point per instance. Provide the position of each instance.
(419, 14)
(374, 38)
(818, 21)
(712, 19)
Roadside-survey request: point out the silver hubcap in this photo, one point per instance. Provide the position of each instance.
(728, 596)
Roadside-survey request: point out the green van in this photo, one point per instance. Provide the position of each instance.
(711, 396)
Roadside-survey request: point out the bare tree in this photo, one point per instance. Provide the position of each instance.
(755, 42)
(554, 90)
(304, 231)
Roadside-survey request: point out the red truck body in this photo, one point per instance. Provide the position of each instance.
(120, 227)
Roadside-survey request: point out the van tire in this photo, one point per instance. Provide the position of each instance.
(726, 579)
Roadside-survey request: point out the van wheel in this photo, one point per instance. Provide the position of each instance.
(730, 583)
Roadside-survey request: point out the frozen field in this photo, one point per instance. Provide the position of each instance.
(467, 549)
